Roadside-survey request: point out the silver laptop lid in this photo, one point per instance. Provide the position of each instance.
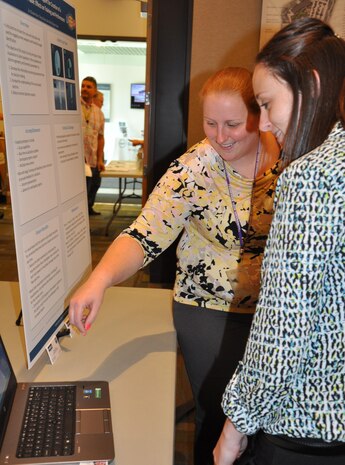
(8, 385)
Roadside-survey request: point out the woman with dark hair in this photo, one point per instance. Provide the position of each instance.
(290, 386)
(219, 196)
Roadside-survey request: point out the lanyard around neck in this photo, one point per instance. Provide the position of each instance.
(87, 113)
(233, 202)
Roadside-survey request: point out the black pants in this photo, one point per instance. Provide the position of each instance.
(92, 185)
(263, 452)
(212, 343)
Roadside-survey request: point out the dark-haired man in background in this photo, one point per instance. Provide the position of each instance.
(93, 135)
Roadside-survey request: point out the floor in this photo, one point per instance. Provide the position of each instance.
(184, 429)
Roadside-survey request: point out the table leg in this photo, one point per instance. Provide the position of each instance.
(121, 196)
(117, 204)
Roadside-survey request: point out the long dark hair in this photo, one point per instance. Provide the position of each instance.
(295, 54)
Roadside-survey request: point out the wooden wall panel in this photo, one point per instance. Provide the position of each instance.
(225, 33)
(111, 18)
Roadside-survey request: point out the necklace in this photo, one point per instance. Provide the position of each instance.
(86, 113)
(233, 202)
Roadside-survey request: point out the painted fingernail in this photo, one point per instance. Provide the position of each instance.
(87, 326)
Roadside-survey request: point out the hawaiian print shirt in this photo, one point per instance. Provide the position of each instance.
(92, 127)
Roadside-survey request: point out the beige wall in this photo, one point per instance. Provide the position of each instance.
(225, 33)
(116, 18)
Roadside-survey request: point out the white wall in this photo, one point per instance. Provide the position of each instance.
(119, 71)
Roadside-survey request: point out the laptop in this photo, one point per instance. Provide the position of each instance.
(59, 422)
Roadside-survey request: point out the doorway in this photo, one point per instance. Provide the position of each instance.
(118, 67)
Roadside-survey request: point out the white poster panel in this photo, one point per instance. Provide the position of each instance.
(26, 76)
(44, 276)
(40, 90)
(68, 146)
(75, 235)
(34, 171)
(278, 13)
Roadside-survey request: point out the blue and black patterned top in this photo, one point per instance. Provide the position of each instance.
(292, 378)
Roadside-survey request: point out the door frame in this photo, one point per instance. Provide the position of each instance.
(169, 38)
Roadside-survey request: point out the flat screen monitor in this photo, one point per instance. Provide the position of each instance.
(137, 95)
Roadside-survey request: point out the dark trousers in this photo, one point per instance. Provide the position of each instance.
(212, 343)
(263, 452)
(92, 185)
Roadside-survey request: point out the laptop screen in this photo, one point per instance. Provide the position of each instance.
(8, 386)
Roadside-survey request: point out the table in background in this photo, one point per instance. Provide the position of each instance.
(130, 172)
(132, 344)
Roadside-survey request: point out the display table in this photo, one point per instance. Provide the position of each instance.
(130, 172)
(132, 344)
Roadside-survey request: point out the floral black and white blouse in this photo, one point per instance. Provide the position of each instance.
(192, 198)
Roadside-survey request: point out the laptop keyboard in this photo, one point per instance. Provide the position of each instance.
(49, 422)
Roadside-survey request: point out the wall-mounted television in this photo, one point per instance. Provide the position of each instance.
(137, 95)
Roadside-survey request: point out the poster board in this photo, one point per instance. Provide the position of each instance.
(39, 82)
(278, 13)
